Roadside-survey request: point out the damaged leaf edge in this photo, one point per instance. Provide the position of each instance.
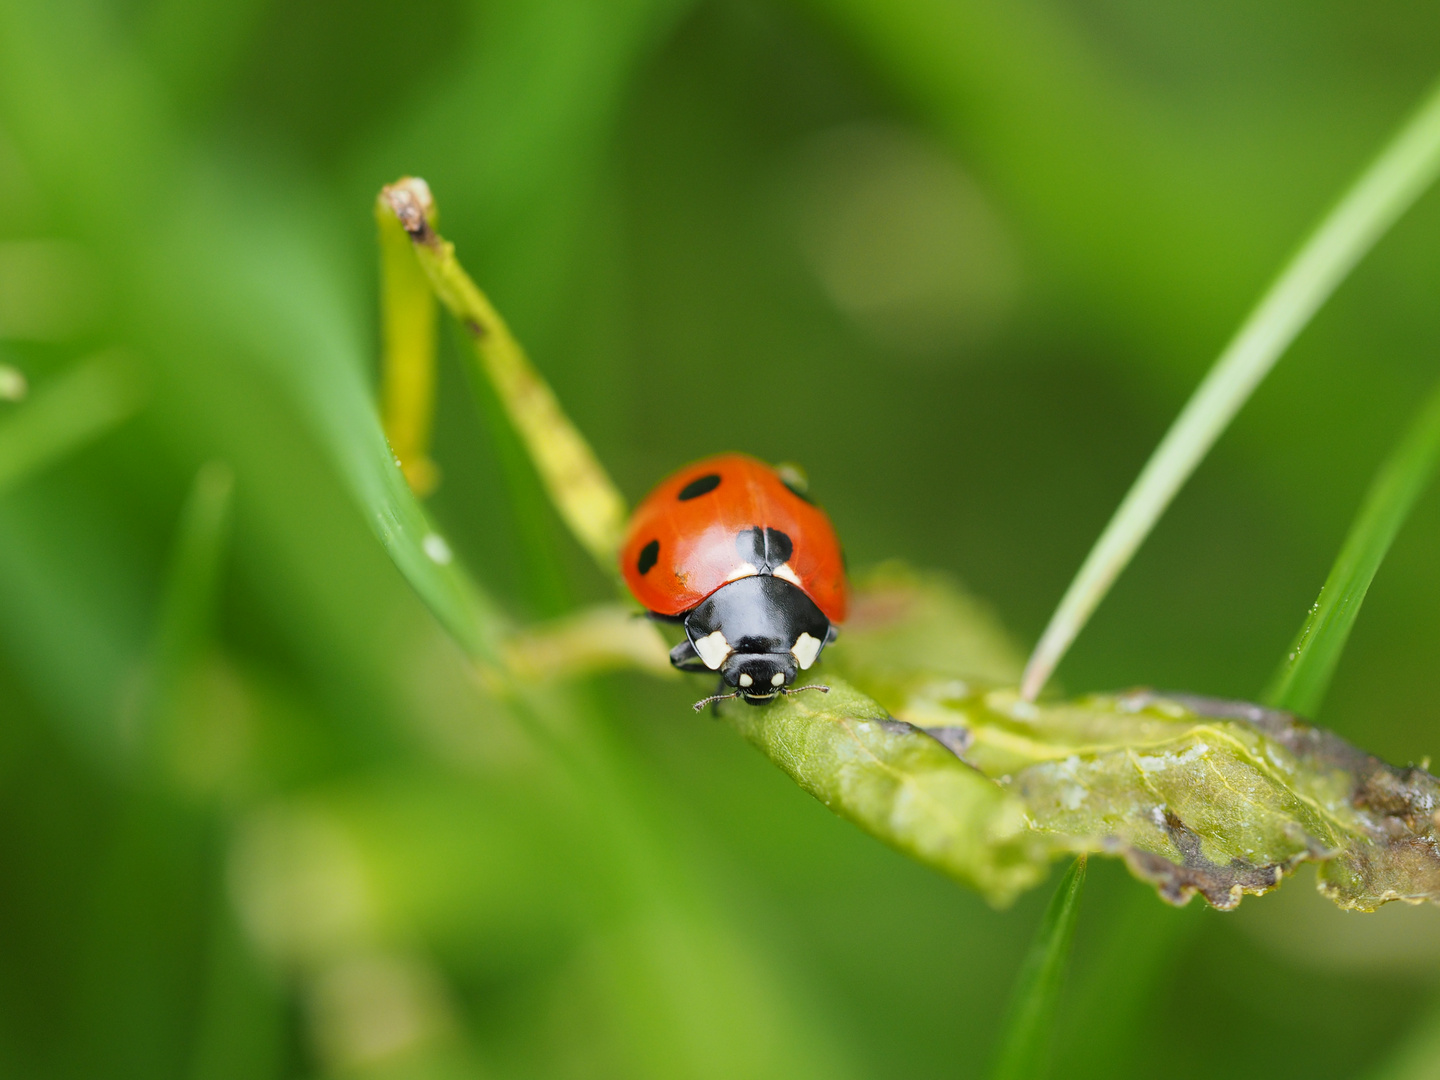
(1177, 878)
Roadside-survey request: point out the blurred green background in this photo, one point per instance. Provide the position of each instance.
(964, 259)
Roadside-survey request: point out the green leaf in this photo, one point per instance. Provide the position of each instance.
(1197, 795)
(278, 272)
(1303, 678)
(1401, 174)
(900, 785)
(1026, 1039)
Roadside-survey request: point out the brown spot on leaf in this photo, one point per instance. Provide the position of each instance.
(1221, 885)
(955, 739)
(1397, 855)
(1393, 798)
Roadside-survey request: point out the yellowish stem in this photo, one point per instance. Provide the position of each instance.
(407, 336)
(601, 638)
(577, 483)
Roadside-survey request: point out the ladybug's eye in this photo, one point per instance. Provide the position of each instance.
(703, 486)
(649, 556)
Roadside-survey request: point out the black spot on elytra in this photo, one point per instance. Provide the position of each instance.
(703, 486)
(649, 556)
(764, 549)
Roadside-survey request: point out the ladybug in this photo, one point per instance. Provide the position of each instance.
(738, 554)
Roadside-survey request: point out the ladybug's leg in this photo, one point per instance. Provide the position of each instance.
(684, 657)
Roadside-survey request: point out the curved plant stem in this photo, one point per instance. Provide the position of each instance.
(1300, 684)
(1404, 169)
(1025, 1042)
(577, 483)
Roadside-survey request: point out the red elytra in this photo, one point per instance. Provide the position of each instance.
(677, 551)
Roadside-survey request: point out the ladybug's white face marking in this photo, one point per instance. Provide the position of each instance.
(745, 569)
(805, 649)
(713, 649)
(778, 679)
(784, 571)
(745, 679)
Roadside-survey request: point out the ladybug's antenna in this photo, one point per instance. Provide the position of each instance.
(713, 698)
(783, 690)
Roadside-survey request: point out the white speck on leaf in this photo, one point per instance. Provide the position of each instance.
(1023, 710)
(439, 551)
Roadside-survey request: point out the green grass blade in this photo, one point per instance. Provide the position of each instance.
(1403, 171)
(1415, 1053)
(1300, 684)
(187, 608)
(308, 350)
(1025, 1043)
(193, 581)
(66, 414)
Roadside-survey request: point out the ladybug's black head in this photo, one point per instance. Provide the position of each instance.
(758, 632)
(759, 676)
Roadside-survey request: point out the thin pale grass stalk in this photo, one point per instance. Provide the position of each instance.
(68, 413)
(407, 352)
(1402, 172)
(1300, 684)
(577, 483)
(1025, 1042)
